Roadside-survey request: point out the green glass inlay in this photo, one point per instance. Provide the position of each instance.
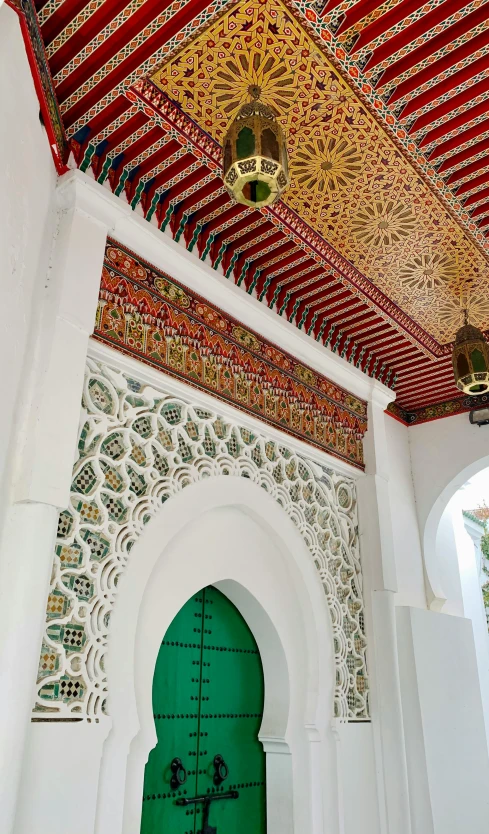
(256, 191)
(245, 143)
(478, 361)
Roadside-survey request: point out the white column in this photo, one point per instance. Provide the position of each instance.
(377, 551)
(45, 448)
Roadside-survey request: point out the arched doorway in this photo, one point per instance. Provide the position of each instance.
(208, 695)
(229, 533)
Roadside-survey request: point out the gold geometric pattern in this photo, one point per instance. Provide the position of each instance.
(428, 271)
(383, 223)
(349, 181)
(327, 165)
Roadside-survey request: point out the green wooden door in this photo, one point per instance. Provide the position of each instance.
(207, 702)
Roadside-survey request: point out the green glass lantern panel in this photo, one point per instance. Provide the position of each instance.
(462, 365)
(478, 361)
(269, 145)
(228, 156)
(245, 143)
(256, 191)
(478, 389)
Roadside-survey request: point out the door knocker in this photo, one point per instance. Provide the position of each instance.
(221, 770)
(179, 776)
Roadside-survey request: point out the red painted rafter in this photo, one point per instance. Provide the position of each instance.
(121, 36)
(469, 186)
(281, 282)
(184, 207)
(454, 103)
(227, 216)
(259, 264)
(108, 115)
(437, 90)
(467, 170)
(156, 158)
(246, 219)
(172, 194)
(64, 14)
(476, 198)
(463, 156)
(453, 124)
(438, 67)
(88, 30)
(282, 290)
(424, 24)
(135, 59)
(275, 237)
(117, 137)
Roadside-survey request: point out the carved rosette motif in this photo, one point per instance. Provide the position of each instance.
(138, 447)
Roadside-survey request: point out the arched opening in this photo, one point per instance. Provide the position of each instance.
(228, 533)
(454, 563)
(208, 696)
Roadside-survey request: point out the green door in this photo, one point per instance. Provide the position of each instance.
(208, 705)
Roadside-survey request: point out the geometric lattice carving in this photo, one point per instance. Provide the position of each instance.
(138, 446)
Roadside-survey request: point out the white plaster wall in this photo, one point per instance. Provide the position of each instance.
(472, 596)
(448, 563)
(27, 183)
(359, 807)
(58, 791)
(446, 749)
(407, 547)
(442, 451)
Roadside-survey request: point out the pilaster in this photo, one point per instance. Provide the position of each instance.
(45, 446)
(378, 561)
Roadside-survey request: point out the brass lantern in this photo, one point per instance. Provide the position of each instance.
(255, 169)
(471, 360)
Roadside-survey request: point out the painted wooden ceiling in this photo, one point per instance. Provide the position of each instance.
(381, 239)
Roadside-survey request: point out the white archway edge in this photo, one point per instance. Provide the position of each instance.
(226, 531)
(444, 455)
(432, 551)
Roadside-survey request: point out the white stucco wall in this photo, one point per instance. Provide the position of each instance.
(443, 451)
(407, 547)
(446, 747)
(27, 183)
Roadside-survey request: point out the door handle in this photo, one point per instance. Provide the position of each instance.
(221, 770)
(179, 774)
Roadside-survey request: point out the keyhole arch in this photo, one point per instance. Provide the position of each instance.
(281, 597)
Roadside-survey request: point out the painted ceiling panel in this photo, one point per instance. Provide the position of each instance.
(381, 239)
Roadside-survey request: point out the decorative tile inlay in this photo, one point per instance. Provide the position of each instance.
(141, 446)
(144, 312)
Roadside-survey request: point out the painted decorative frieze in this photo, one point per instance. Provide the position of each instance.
(446, 408)
(138, 447)
(144, 312)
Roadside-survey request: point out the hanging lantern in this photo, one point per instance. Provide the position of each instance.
(255, 170)
(471, 360)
